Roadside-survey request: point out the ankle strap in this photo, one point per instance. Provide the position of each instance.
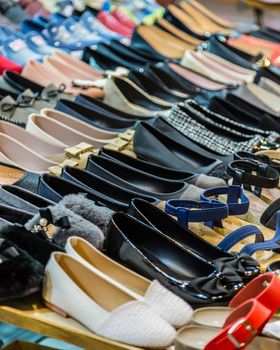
(259, 245)
(237, 201)
(260, 158)
(243, 171)
(211, 213)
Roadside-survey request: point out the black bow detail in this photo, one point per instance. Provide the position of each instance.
(47, 227)
(223, 282)
(240, 263)
(31, 99)
(10, 107)
(7, 252)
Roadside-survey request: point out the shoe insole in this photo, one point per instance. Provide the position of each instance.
(9, 175)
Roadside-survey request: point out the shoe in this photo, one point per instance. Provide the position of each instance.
(22, 199)
(44, 148)
(201, 83)
(59, 134)
(221, 137)
(202, 181)
(6, 64)
(123, 18)
(152, 87)
(156, 218)
(85, 112)
(147, 38)
(16, 50)
(110, 22)
(21, 275)
(185, 274)
(13, 81)
(43, 76)
(171, 308)
(150, 144)
(110, 194)
(168, 130)
(238, 26)
(93, 25)
(109, 110)
(105, 58)
(79, 125)
(138, 181)
(205, 63)
(118, 323)
(125, 95)
(239, 114)
(10, 215)
(170, 28)
(14, 153)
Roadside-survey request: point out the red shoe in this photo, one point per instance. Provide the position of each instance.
(123, 18)
(6, 64)
(113, 24)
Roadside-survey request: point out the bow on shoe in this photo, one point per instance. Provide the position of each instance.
(223, 282)
(241, 263)
(53, 93)
(11, 106)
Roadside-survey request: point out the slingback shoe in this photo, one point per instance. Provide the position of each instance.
(147, 251)
(166, 304)
(101, 306)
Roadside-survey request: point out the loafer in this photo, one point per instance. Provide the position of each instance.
(113, 196)
(136, 180)
(179, 274)
(124, 312)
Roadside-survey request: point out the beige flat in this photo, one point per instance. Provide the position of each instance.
(197, 337)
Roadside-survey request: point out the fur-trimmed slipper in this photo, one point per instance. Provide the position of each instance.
(59, 223)
(37, 246)
(20, 274)
(81, 205)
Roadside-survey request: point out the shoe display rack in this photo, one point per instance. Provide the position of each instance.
(31, 314)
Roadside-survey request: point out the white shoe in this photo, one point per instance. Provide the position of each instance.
(71, 288)
(165, 303)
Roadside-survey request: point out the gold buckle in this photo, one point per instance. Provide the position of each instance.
(248, 328)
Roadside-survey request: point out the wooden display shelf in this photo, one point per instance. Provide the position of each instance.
(29, 313)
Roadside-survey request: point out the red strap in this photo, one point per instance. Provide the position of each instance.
(264, 288)
(241, 327)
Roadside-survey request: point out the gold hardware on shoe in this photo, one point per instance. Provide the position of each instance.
(77, 156)
(264, 62)
(48, 229)
(262, 145)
